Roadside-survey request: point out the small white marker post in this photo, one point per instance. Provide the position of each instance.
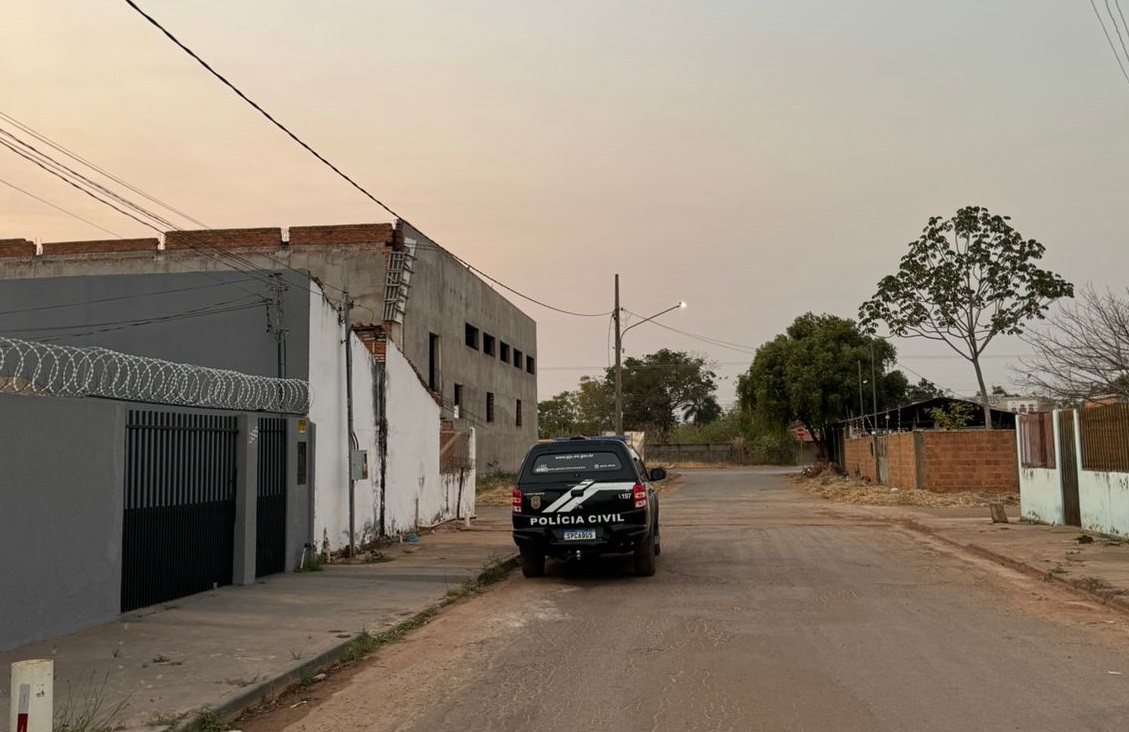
(33, 696)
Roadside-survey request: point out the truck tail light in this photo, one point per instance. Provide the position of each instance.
(639, 495)
(515, 500)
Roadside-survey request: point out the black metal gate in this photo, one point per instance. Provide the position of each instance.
(1068, 469)
(270, 556)
(179, 523)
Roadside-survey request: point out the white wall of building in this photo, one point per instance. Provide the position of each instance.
(415, 494)
(458, 488)
(1040, 489)
(327, 411)
(415, 491)
(1040, 495)
(1104, 501)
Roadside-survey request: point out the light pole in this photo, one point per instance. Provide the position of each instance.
(619, 331)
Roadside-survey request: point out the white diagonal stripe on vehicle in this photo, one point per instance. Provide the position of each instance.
(566, 496)
(592, 490)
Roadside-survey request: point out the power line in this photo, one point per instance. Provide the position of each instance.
(751, 350)
(1113, 48)
(193, 311)
(117, 298)
(1117, 28)
(94, 184)
(74, 156)
(72, 214)
(321, 158)
(259, 109)
(71, 183)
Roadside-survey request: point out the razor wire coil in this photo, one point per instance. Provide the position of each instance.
(31, 367)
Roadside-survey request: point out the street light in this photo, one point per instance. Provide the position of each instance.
(619, 353)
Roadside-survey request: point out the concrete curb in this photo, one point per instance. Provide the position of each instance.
(1116, 602)
(232, 707)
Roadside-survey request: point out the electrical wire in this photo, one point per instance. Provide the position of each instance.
(117, 298)
(751, 350)
(93, 166)
(1116, 27)
(325, 161)
(154, 321)
(94, 184)
(72, 214)
(1113, 48)
(193, 311)
(62, 177)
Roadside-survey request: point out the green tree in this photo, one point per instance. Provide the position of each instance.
(662, 385)
(595, 406)
(966, 280)
(557, 416)
(810, 374)
(923, 390)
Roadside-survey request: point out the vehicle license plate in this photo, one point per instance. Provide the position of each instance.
(579, 534)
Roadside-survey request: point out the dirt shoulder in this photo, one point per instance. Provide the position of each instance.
(842, 489)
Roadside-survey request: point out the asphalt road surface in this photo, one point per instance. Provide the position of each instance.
(770, 611)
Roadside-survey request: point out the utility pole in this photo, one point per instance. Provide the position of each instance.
(618, 364)
(873, 385)
(348, 313)
(275, 321)
(862, 410)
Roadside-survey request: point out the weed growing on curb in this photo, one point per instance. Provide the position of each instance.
(1099, 586)
(312, 563)
(88, 711)
(209, 721)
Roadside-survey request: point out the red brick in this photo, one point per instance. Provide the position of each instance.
(269, 238)
(375, 235)
(104, 246)
(17, 248)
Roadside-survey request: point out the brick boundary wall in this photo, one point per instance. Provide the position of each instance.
(971, 460)
(940, 461)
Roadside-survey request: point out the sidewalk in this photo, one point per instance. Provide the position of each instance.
(1099, 568)
(228, 648)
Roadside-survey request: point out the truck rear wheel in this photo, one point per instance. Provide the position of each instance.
(645, 557)
(532, 565)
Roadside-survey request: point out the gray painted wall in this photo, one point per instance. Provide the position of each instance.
(444, 297)
(61, 478)
(196, 317)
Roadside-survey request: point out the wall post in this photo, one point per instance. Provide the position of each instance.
(246, 500)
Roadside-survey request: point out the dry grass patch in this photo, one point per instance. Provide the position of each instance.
(842, 489)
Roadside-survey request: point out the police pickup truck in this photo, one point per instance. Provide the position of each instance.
(585, 497)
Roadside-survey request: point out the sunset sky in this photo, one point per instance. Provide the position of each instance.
(755, 158)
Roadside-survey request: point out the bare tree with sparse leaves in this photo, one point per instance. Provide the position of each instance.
(964, 281)
(1083, 351)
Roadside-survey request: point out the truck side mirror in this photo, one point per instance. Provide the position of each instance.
(658, 474)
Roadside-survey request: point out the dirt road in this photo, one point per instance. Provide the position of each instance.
(770, 611)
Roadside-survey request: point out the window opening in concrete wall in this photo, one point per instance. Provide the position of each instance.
(458, 395)
(488, 344)
(529, 365)
(433, 361)
(517, 412)
(489, 406)
(471, 336)
(518, 358)
(504, 352)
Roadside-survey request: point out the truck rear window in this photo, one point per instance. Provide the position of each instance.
(575, 462)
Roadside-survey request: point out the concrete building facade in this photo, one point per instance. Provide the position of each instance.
(471, 345)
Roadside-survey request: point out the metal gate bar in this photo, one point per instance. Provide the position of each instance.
(270, 541)
(179, 520)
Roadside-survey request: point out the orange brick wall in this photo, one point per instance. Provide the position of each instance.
(303, 236)
(901, 461)
(62, 248)
(224, 239)
(16, 248)
(971, 460)
(860, 458)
